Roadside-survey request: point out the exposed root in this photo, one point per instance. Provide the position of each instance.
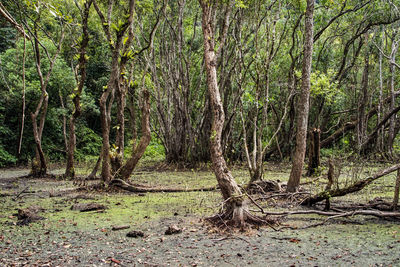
(240, 217)
(142, 189)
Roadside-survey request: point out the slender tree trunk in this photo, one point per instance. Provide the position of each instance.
(70, 169)
(64, 122)
(138, 150)
(391, 134)
(362, 119)
(380, 140)
(23, 98)
(92, 175)
(396, 191)
(304, 102)
(39, 165)
(229, 188)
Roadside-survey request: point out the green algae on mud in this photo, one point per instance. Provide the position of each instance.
(73, 238)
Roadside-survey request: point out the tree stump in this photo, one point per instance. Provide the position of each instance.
(314, 151)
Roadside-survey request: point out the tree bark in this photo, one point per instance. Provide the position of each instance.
(391, 134)
(396, 191)
(39, 165)
(138, 150)
(70, 169)
(118, 62)
(362, 119)
(314, 151)
(230, 190)
(304, 102)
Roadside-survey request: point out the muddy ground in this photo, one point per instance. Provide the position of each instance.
(68, 237)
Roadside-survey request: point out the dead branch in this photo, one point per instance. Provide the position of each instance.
(350, 189)
(380, 214)
(141, 189)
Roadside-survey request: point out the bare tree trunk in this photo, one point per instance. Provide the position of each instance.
(235, 207)
(64, 122)
(23, 98)
(229, 188)
(314, 151)
(380, 144)
(304, 102)
(70, 169)
(391, 134)
(92, 175)
(396, 191)
(362, 120)
(138, 150)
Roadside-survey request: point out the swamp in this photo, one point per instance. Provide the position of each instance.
(199, 133)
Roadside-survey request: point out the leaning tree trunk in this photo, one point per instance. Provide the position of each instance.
(304, 102)
(70, 169)
(138, 150)
(234, 204)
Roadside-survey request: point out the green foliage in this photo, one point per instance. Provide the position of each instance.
(62, 81)
(154, 152)
(88, 143)
(321, 85)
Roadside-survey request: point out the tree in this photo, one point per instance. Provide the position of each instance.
(235, 207)
(303, 103)
(120, 48)
(76, 95)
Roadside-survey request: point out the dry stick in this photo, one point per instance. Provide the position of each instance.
(20, 193)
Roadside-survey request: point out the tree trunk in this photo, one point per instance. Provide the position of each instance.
(304, 102)
(92, 175)
(396, 191)
(39, 165)
(391, 134)
(231, 192)
(138, 150)
(70, 169)
(119, 48)
(362, 119)
(314, 151)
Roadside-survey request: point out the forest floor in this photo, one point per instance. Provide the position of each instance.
(68, 237)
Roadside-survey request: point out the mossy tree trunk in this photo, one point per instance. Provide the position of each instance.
(70, 169)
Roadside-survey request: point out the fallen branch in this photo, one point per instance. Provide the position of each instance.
(139, 189)
(334, 215)
(20, 193)
(350, 189)
(376, 213)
